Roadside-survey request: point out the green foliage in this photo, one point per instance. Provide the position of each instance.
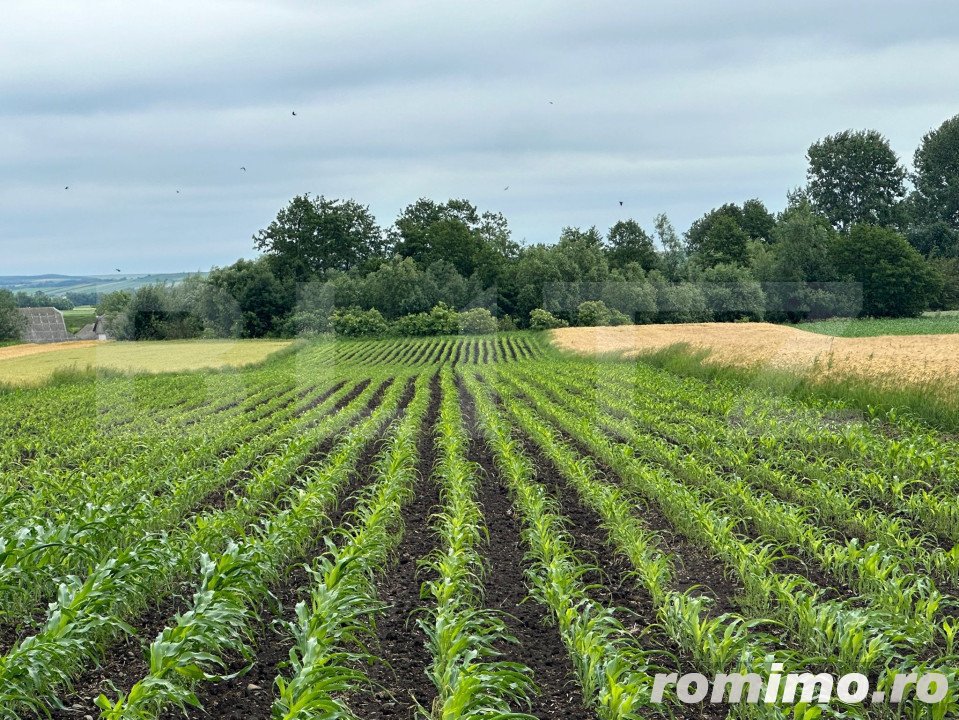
(627, 243)
(454, 232)
(246, 299)
(540, 319)
(593, 313)
(719, 241)
(855, 177)
(114, 303)
(12, 322)
(355, 322)
(42, 299)
(936, 174)
(477, 321)
(312, 235)
(937, 239)
(678, 302)
(155, 313)
(732, 294)
(628, 293)
(896, 282)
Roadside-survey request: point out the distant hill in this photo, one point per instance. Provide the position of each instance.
(57, 284)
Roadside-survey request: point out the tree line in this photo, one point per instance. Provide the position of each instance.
(863, 236)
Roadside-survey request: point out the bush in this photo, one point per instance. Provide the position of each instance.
(505, 324)
(355, 322)
(444, 320)
(540, 319)
(618, 318)
(593, 313)
(307, 323)
(441, 320)
(478, 321)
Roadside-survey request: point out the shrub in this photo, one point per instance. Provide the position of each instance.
(441, 320)
(505, 323)
(307, 323)
(355, 322)
(540, 319)
(478, 321)
(618, 318)
(593, 313)
(444, 320)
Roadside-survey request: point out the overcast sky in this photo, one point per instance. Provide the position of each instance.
(670, 107)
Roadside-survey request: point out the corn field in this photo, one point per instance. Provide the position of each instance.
(475, 528)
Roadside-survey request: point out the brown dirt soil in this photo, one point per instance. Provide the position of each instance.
(15, 351)
(914, 359)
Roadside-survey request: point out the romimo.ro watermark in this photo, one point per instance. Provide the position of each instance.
(793, 687)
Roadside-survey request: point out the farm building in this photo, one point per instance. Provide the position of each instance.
(45, 325)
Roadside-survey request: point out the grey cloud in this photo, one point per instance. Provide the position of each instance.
(670, 107)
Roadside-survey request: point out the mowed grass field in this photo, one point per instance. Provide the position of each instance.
(28, 364)
(471, 527)
(79, 316)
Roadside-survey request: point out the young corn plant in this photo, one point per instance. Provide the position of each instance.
(470, 680)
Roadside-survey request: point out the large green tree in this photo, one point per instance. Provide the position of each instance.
(12, 322)
(313, 235)
(456, 232)
(896, 281)
(855, 177)
(627, 242)
(936, 174)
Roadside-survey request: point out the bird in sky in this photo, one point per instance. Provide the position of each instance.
(67, 187)
(550, 102)
(243, 169)
(294, 113)
(177, 192)
(506, 188)
(620, 203)
(117, 269)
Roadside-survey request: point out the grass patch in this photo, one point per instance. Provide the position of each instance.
(943, 323)
(78, 317)
(929, 404)
(136, 357)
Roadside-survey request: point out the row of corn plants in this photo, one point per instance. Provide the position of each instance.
(96, 617)
(470, 679)
(844, 489)
(39, 552)
(222, 618)
(725, 643)
(614, 671)
(332, 626)
(884, 576)
(846, 637)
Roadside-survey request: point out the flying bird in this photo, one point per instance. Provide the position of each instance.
(117, 269)
(67, 187)
(620, 203)
(550, 102)
(243, 169)
(506, 188)
(294, 113)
